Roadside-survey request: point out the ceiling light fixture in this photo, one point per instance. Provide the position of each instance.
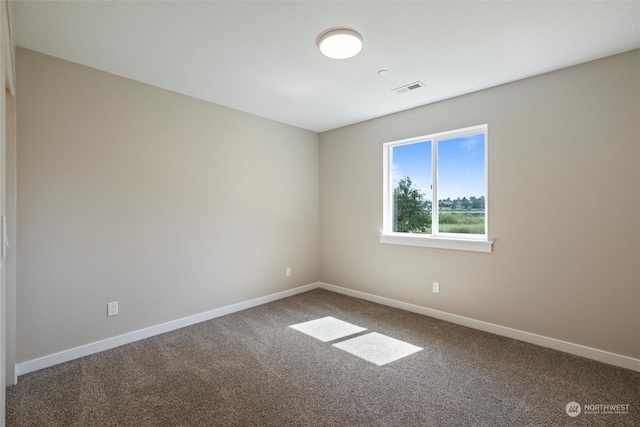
(340, 43)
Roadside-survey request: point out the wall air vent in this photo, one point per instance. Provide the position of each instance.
(409, 87)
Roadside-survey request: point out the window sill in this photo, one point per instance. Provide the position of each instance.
(485, 246)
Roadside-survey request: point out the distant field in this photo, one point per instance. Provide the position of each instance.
(456, 221)
(473, 212)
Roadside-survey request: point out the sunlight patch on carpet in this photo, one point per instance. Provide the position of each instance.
(377, 348)
(327, 328)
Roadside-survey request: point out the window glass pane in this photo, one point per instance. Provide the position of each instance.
(412, 180)
(461, 185)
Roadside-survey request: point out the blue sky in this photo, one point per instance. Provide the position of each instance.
(460, 161)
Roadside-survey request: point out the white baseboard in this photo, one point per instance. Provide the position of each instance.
(106, 344)
(564, 346)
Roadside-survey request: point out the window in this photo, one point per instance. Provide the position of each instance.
(448, 167)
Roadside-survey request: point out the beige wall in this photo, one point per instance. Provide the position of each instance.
(169, 205)
(174, 206)
(564, 187)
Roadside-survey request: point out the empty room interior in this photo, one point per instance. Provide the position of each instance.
(209, 218)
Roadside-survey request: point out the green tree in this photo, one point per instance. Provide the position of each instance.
(410, 214)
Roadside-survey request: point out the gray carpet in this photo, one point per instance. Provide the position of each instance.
(251, 369)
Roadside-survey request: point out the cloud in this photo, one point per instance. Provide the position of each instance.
(397, 175)
(471, 143)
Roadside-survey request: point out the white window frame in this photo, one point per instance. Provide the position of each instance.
(456, 241)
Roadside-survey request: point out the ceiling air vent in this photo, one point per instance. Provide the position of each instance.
(409, 87)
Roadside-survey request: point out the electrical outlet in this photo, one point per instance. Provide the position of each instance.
(112, 309)
(288, 271)
(436, 287)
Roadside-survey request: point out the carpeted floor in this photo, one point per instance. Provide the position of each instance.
(252, 369)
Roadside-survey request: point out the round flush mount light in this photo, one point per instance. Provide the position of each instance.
(340, 43)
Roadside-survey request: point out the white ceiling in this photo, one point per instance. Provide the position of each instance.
(261, 57)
